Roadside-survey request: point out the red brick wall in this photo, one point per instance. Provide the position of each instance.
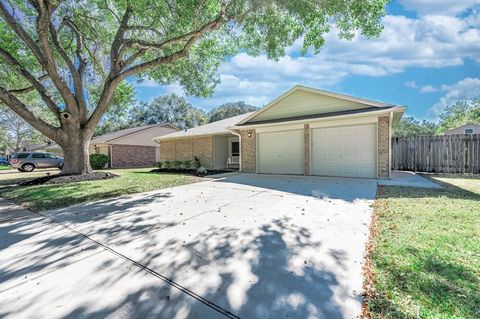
(132, 155)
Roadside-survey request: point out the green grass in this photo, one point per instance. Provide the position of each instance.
(44, 197)
(4, 167)
(426, 257)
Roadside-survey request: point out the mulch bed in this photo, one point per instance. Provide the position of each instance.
(62, 179)
(193, 172)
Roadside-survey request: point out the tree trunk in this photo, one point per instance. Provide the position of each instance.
(76, 156)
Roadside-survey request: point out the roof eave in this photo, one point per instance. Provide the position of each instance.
(395, 109)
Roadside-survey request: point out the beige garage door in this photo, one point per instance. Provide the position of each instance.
(280, 152)
(348, 151)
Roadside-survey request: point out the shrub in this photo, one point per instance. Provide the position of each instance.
(196, 163)
(167, 164)
(187, 164)
(158, 164)
(98, 161)
(177, 164)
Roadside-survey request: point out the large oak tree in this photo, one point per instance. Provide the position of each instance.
(73, 54)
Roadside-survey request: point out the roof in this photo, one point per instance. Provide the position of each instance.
(320, 115)
(105, 138)
(462, 126)
(214, 128)
(367, 103)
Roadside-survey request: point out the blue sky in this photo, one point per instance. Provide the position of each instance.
(427, 57)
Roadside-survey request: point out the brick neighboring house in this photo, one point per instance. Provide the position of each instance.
(132, 147)
(305, 131)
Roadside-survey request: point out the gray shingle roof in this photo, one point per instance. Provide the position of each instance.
(121, 133)
(213, 128)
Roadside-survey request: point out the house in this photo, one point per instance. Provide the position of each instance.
(464, 129)
(131, 147)
(305, 131)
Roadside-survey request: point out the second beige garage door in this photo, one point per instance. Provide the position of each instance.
(280, 152)
(348, 151)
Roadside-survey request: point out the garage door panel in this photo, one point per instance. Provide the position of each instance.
(344, 151)
(280, 152)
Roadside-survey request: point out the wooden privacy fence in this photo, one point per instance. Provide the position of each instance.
(441, 154)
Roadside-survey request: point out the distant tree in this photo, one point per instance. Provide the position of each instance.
(458, 114)
(409, 126)
(16, 132)
(117, 115)
(228, 110)
(170, 108)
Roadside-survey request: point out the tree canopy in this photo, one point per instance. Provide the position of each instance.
(409, 126)
(229, 110)
(170, 108)
(73, 54)
(458, 114)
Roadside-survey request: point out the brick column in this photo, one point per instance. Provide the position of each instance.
(383, 147)
(306, 149)
(248, 151)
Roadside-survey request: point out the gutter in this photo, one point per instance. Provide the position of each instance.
(309, 120)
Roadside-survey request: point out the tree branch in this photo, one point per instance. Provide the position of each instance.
(22, 110)
(30, 78)
(43, 24)
(28, 89)
(22, 34)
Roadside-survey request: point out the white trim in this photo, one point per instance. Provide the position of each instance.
(329, 118)
(316, 91)
(167, 138)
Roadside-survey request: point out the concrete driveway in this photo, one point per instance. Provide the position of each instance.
(243, 246)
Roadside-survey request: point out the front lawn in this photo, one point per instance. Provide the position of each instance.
(426, 251)
(4, 167)
(53, 196)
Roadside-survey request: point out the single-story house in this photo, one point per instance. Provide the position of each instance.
(305, 131)
(131, 147)
(464, 129)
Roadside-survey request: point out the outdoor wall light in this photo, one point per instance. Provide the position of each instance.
(249, 134)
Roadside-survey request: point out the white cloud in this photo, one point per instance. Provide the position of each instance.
(433, 40)
(463, 90)
(423, 7)
(428, 89)
(421, 89)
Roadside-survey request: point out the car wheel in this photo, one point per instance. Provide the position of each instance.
(20, 170)
(28, 167)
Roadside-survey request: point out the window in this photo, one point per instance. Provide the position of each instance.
(235, 148)
(22, 155)
(48, 155)
(469, 131)
(38, 155)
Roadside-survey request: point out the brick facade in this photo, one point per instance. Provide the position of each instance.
(132, 155)
(383, 147)
(187, 149)
(306, 149)
(248, 153)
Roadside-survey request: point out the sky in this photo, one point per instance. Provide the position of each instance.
(427, 57)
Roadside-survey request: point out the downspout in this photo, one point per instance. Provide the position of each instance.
(240, 146)
(390, 145)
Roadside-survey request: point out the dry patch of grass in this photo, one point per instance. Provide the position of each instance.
(425, 259)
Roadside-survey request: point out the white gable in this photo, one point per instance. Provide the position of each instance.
(302, 101)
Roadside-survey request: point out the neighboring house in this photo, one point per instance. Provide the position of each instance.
(131, 147)
(464, 129)
(46, 147)
(305, 131)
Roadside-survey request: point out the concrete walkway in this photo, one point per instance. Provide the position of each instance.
(243, 246)
(407, 179)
